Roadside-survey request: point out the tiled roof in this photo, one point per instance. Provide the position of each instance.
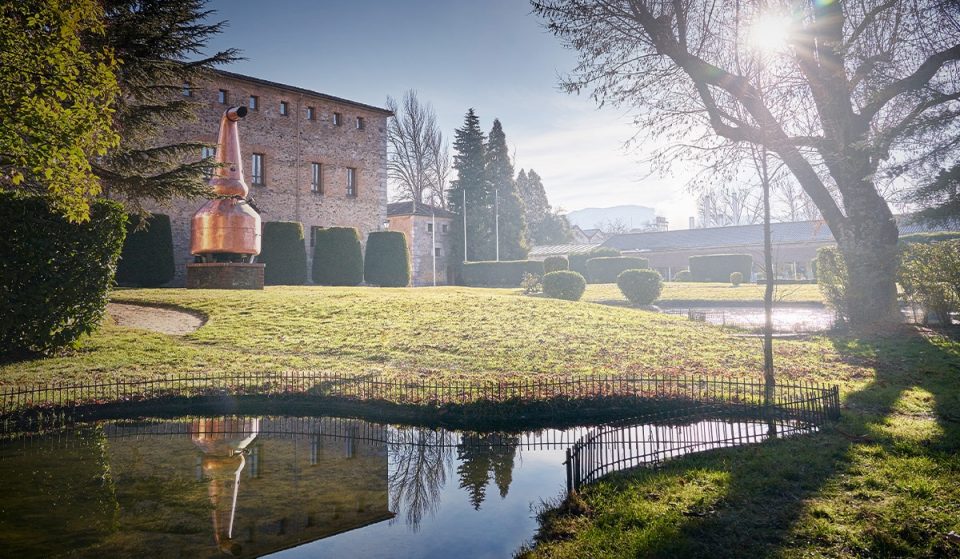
(409, 208)
(310, 92)
(561, 250)
(740, 235)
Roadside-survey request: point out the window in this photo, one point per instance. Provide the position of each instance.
(351, 182)
(337, 119)
(254, 103)
(429, 228)
(283, 108)
(360, 123)
(437, 251)
(316, 178)
(256, 169)
(187, 91)
(222, 96)
(443, 228)
(207, 152)
(313, 234)
(311, 113)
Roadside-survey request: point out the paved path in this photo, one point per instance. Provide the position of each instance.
(157, 319)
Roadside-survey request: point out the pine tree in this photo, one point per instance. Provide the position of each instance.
(545, 226)
(509, 207)
(940, 198)
(154, 41)
(468, 161)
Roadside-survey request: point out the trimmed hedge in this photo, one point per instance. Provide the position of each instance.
(682, 275)
(506, 273)
(929, 237)
(564, 284)
(55, 276)
(337, 257)
(283, 251)
(578, 261)
(147, 256)
(605, 269)
(833, 280)
(640, 287)
(718, 267)
(387, 260)
(555, 264)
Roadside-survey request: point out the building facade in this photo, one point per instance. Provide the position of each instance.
(428, 237)
(307, 157)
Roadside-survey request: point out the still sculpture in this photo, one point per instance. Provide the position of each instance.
(225, 232)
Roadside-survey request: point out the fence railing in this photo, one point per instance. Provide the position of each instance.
(651, 439)
(799, 397)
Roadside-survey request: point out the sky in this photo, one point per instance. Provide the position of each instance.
(493, 56)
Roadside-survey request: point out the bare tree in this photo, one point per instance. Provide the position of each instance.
(612, 227)
(862, 90)
(418, 163)
(730, 205)
(419, 458)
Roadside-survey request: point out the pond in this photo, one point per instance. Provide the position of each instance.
(296, 487)
(786, 318)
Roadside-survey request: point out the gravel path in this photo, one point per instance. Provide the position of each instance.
(158, 319)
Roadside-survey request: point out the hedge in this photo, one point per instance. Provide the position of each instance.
(640, 287)
(605, 269)
(564, 285)
(929, 237)
(147, 256)
(337, 257)
(55, 276)
(555, 264)
(578, 261)
(506, 273)
(682, 275)
(718, 267)
(833, 280)
(387, 260)
(283, 251)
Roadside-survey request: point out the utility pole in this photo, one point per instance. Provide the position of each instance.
(465, 259)
(496, 219)
(433, 240)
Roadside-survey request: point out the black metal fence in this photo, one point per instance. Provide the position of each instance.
(654, 438)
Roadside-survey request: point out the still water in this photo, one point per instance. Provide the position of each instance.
(284, 487)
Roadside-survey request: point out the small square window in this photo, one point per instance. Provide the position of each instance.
(256, 169)
(429, 228)
(207, 152)
(284, 108)
(187, 90)
(337, 119)
(360, 123)
(311, 113)
(437, 251)
(443, 228)
(316, 178)
(222, 96)
(351, 182)
(254, 103)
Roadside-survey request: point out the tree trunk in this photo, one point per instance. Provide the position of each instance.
(869, 249)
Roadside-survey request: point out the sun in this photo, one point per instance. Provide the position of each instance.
(769, 32)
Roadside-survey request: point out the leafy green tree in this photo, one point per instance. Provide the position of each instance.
(508, 207)
(56, 91)
(469, 163)
(156, 44)
(544, 226)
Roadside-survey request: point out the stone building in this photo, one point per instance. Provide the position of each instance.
(428, 236)
(307, 157)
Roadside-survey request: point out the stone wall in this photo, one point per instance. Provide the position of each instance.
(420, 242)
(290, 144)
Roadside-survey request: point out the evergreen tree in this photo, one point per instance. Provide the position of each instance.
(475, 466)
(940, 198)
(468, 161)
(508, 205)
(154, 41)
(545, 226)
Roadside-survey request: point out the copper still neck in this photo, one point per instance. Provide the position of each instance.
(228, 178)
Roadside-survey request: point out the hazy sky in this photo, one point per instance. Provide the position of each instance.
(492, 55)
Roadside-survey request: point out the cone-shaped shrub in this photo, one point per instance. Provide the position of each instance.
(337, 257)
(640, 287)
(147, 256)
(387, 260)
(283, 252)
(555, 264)
(564, 285)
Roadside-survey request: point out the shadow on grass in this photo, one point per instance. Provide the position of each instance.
(880, 483)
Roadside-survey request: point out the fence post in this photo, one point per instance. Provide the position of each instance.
(569, 464)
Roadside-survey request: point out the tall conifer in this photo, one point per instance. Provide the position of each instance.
(509, 206)
(545, 227)
(468, 161)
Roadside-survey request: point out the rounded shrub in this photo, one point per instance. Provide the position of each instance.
(147, 256)
(337, 257)
(387, 260)
(605, 269)
(682, 275)
(555, 264)
(736, 278)
(564, 285)
(284, 253)
(640, 287)
(505, 273)
(55, 276)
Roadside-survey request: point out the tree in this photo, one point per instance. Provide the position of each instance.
(469, 161)
(730, 205)
(154, 41)
(859, 88)
(940, 197)
(544, 226)
(510, 224)
(418, 161)
(56, 90)
(612, 227)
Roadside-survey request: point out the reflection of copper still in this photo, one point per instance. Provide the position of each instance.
(223, 441)
(227, 229)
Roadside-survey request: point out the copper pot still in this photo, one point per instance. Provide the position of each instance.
(226, 228)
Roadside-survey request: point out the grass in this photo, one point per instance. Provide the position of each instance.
(692, 294)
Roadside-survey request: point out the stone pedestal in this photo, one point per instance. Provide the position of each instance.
(224, 275)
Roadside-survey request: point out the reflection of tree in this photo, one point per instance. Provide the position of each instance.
(482, 455)
(419, 460)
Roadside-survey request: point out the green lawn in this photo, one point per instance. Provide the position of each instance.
(688, 293)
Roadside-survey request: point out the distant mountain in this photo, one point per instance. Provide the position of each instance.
(631, 216)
